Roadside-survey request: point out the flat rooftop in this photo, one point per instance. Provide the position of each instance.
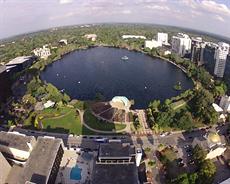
(2, 68)
(19, 60)
(114, 149)
(5, 168)
(15, 140)
(39, 165)
(115, 174)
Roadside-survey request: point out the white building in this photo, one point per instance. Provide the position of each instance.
(213, 143)
(16, 146)
(43, 52)
(63, 42)
(48, 104)
(162, 38)
(220, 58)
(93, 37)
(225, 103)
(133, 36)
(181, 44)
(152, 44)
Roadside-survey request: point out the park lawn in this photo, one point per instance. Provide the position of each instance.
(95, 123)
(178, 104)
(68, 123)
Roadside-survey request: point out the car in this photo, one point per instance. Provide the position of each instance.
(181, 165)
(191, 162)
(84, 137)
(186, 146)
(114, 137)
(91, 137)
(189, 154)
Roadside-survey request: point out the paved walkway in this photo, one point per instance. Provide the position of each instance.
(81, 113)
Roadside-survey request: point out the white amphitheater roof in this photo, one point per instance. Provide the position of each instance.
(122, 99)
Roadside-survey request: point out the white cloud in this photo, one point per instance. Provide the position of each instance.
(126, 12)
(157, 7)
(67, 15)
(214, 7)
(65, 1)
(218, 17)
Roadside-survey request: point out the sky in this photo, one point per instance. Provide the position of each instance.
(21, 16)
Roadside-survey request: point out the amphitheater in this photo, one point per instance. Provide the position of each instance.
(116, 110)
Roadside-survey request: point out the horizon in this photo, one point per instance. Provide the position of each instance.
(212, 16)
(183, 29)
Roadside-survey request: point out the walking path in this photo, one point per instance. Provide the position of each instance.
(81, 113)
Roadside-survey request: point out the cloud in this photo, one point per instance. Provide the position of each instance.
(218, 17)
(65, 1)
(126, 12)
(158, 7)
(214, 7)
(63, 16)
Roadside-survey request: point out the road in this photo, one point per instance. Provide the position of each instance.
(177, 139)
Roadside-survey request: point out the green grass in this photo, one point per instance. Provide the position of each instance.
(93, 122)
(66, 123)
(178, 104)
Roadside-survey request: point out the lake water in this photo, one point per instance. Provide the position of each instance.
(85, 73)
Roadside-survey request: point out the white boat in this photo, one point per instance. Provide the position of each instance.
(124, 58)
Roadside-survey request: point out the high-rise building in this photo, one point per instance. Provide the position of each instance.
(225, 103)
(197, 51)
(220, 59)
(162, 38)
(152, 44)
(181, 44)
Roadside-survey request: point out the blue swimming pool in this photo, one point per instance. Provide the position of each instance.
(75, 173)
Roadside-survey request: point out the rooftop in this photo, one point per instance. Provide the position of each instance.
(40, 162)
(4, 172)
(2, 68)
(15, 140)
(114, 174)
(116, 150)
(18, 60)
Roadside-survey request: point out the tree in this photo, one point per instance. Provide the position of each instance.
(154, 105)
(207, 172)
(199, 154)
(185, 179)
(201, 106)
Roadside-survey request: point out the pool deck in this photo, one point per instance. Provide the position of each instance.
(70, 159)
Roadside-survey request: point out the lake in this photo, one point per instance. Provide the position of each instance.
(84, 74)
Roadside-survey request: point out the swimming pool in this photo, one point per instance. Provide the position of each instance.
(75, 173)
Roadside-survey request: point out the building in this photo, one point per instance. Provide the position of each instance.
(43, 164)
(152, 44)
(16, 146)
(63, 42)
(93, 37)
(213, 143)
(120, 102)
(181, 44)
(162, 38)
(117, 163)
(20, 63)
(220, 59)
(227, 181)
(5, 169)
(208, 56)
(197, 51)
(5, 83)
(225, 103)
(49, 104)
(43, 52)
(133, 37)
